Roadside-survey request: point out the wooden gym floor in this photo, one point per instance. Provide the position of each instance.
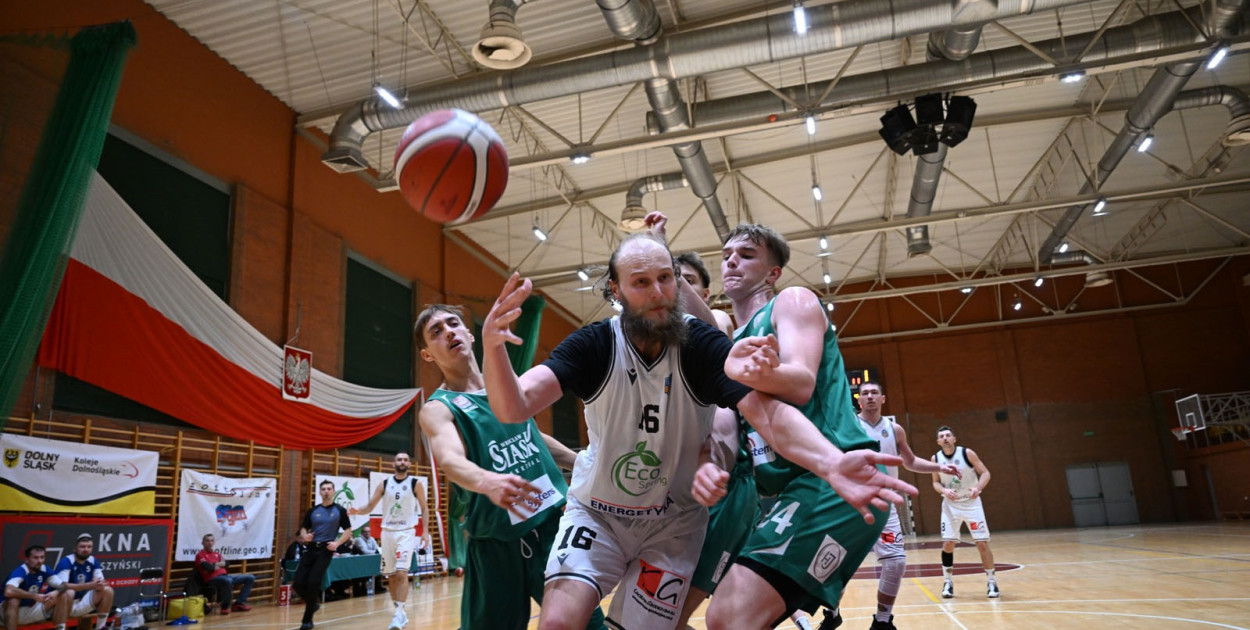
(1183, 576)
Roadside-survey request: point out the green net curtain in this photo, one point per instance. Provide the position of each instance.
(47, 211)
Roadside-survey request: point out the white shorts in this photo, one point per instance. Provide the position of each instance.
(651, 559)
(890, 543)
(27, 615)
(956, 513)
(398, 546)
(84, 605)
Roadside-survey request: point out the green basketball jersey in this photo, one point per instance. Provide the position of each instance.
(829, 408)
(516, 449)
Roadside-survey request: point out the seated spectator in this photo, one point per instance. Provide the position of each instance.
(31, 596)
(212, 569)
(365, 545)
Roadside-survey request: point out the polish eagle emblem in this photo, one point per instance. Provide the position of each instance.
(297, 373)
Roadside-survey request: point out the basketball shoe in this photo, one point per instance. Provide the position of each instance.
(948, 589)
(833, 619)
(991, 590)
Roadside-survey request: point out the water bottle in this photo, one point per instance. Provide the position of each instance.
(369, 586)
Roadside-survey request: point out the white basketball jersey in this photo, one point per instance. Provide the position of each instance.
(646, 430)
(964, 484)
(400, 508)
(883, 433)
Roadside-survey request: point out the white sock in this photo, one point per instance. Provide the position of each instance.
(989, 574)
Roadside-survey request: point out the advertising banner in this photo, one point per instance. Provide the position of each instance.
(41, 475)
(122, 546)
(239, 513)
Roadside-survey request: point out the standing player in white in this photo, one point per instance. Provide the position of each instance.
(403, 500)
(961, 503)
(889, 547)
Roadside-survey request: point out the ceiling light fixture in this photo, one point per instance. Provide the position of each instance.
(1038, 282)
(580, 157)
(829, 306)
(811, 125)
(1063, 248)
(824, 244)
(1017, 306)
(582, 275)
(539, 234)
(1217, 57)
(1145, 143)
(827, 278)
(800, 18)
(966, 290)
(1072, 77)
(386, 95)
(816, 194)
(1100, 207)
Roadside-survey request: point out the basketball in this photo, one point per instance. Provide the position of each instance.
(451, 166)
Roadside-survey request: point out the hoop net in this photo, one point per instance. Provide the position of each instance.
(1181, 433)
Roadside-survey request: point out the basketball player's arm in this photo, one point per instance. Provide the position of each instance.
(373, 501)
(710, 482)
(946, 493)
(513, 398)
(418, 490)
(913, 463)
(983, 473)
(448, 447)
(800, 322)
(853, 475)
(564, 456)
(724, 322)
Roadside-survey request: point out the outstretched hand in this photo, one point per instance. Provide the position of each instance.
(752, 359)
(710, 484)
(497, 328)
(857, 480)
(508, 491)
(657, 224)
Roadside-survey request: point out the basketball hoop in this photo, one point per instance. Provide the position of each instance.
(1181, 433)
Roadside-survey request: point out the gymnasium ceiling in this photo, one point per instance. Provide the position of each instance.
(1000, 195)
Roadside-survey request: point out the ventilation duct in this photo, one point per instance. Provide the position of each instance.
(1155, 33)
(500, 46)
(634, 210)
(954, 43)
(923, 191)
(637, 20)
(768, 39)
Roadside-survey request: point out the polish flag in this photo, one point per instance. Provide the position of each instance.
(132, 319)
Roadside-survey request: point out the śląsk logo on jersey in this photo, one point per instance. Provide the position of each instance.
(513, 454)
(827, 559)
(761, 452)
(638, 471)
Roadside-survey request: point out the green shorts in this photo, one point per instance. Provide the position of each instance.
(501, 577)
(815, 538)
(729, 523)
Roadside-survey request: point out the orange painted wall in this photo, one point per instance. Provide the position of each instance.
(1078, 390)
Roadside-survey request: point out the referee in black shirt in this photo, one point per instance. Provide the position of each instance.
(324, 520)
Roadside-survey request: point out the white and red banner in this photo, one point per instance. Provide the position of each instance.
(296, 373)
(239, 513)
(131, 318)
